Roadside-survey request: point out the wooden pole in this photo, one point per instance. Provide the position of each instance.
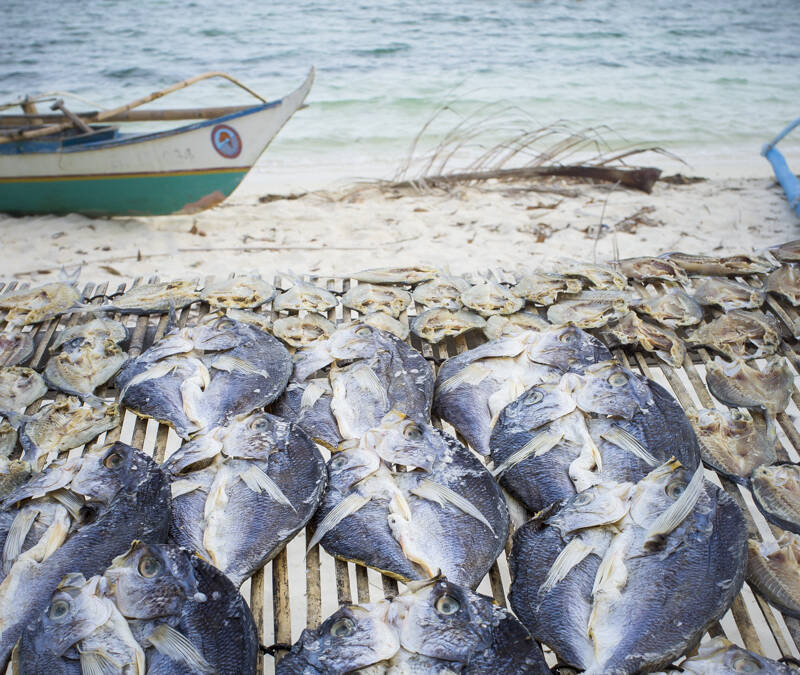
(167, 115)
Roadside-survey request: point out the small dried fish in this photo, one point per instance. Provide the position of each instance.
(731, 333)
(788, 252)
(719, 656)
(261, 321)
(773, 567)
(300, 331)
(382, 321)
(716, 266)
(8, 441)
(600, 276)
(631, 330)
(776, 492)
(241, 292)
(443, 291)
(674, 308)
(543, 289)
(647, 268)
(785, 281)
(19, 387)
(396, 275)
(728, 294)
(305, 296)
(96, 328)
(367, 298)
(15, 348)
(498, 326)
(38, 304)
(152, 298)
(730, 443)
(434, 325)
(586, 313)
(490, 298)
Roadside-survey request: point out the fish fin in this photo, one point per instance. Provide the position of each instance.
(17, 534)
(182, 487)
(572, 554)
(347, 507)
(97, 663)
(257, 481)
(152, 373)
(436, 492)
(682, 507)
(72, 502)
(232, 364)
(176, 646)
(627, 441)
(538, 445)
(473, 374)
(368, 380)
(312, 393)
(15, 419)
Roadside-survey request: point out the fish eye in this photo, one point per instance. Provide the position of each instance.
(737, 414)
(58, 610)
(447, 605)
(583, 499)
(675, 488)
(363, 331)
(338, 462)
(746, 664)
(149, 567)
(259, 424)
(568, 337)
(617, 379)
(413, 432)
(534, 397)
(225, 324)
(113, 461)
(343, 627)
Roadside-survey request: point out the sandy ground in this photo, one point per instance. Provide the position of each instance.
(336, 231)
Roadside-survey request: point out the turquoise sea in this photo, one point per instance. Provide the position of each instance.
(701, 78)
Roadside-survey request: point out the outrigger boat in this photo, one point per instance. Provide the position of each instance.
(784, 175)
(71, 162)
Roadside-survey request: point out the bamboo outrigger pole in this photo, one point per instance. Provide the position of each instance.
(114, 112)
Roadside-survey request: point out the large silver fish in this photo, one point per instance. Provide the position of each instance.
(19, 387)
(435, 627)
(474, 387)
(308, 404)
(606, 424)
(445, 514)
(625, 578)
(95, 505)
(241, 491)
(38, 304)
(719, 656)
(776, 492)
(201, 376)
(187, 614)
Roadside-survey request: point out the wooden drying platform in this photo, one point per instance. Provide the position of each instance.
(294, 592)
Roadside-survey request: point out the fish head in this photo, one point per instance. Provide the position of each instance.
(356, 341)
(254, 435)
(219, 335)
(721, 656)
(601, 505)
(152, 580)
(76, 610)
(105, 471)
(400, 439)
(350, 464)
(352, 638)
(567, 348)
(609, 389)
(541, 405)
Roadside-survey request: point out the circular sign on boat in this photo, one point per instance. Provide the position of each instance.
(226, 141)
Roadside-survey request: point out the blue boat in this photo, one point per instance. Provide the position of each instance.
(788, 180)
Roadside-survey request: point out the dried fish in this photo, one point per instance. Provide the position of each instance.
(773, 567)
(382, 321)
(730, 442)
(489, 298)
(396, 275)
(631, 330)
(739, 384)
(600, 276)
(155, 298)
(434, 325)
(300, 331)
(240, 292)
(727, 294)
(719, 656)
(674, 308)
(101, 328)
(40, 303)
(731, 333)
(716, 266)
(15, 348)
(256, 319)
(19, 387)
(776, 492)
(586, 313)
(647, 268)
(498, 326)
(8, 441)
(443, 291)
(788, 252)
(785, 281)
(366, 298)
(543, 289)
(305, 296)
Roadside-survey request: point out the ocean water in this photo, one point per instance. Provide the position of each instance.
(707, 80)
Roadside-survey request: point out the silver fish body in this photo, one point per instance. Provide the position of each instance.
(672, 309)
(155, 298)
(19, 387)
(727, 294)
(490, 298)
(239, 292)
(740, 384)
(305, 296)
(736, 332)
(785, 281)
(648, 268)
(38, 304)
(397, 275)
(500, 326)
(600, 276)
(308, 404)
(586, 312)
(438, 323)
(631, 330)
(773, 567)
(15, 348)
(443, 291)
(719, 656)
(719, 266)
(385, 322)
(543, 289)
(776, 492)
(301, 331)
(367, 298)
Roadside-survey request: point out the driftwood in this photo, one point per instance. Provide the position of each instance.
(640, 179)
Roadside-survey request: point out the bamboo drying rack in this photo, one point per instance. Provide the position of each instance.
(294, 592)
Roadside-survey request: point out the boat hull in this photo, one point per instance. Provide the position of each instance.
(181, 170)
